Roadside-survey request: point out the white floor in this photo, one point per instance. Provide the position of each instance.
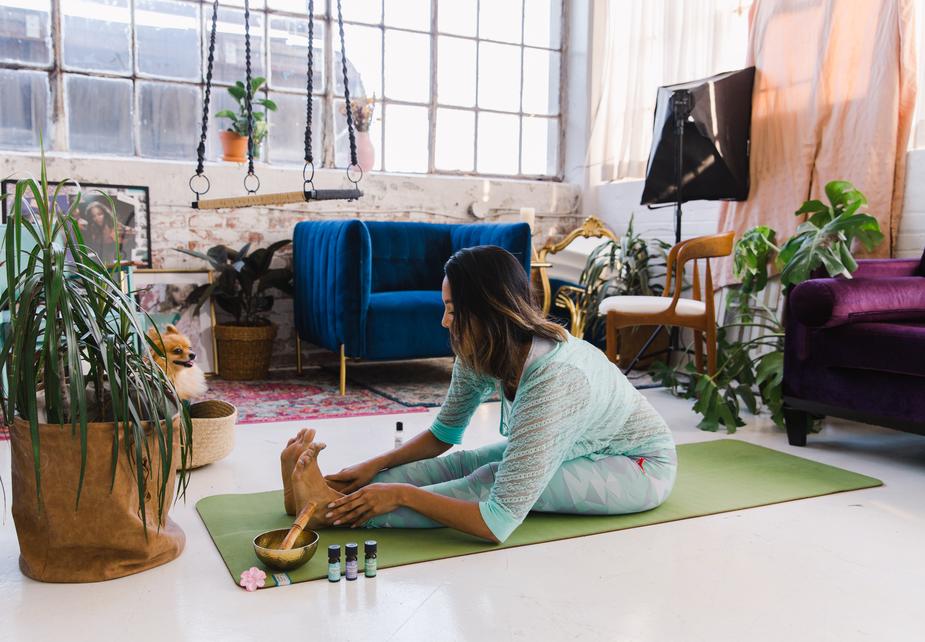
(843, 567)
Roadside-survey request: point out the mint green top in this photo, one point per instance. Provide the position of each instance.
(571, 402)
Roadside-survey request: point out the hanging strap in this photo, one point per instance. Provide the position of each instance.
(248, 98)
(201, 150)
(349, 106)
(309, 85)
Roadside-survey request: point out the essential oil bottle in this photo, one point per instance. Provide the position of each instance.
(370, 558)
(399, 434)
(351, 556)
(334, 563)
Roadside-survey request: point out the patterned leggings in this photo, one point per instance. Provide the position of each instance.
(612, 485)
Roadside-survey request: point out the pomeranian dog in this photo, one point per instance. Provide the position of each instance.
(177, 362)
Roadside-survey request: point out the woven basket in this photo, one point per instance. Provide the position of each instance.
(213, 430)
(244, 352)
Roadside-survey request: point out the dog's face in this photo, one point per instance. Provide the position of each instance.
(176, 347)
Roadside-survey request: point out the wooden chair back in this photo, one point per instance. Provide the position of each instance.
(701, 247)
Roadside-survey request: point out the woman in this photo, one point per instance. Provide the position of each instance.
(580, 438)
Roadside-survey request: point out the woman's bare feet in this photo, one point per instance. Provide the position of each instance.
(308, 484)
(287, 460)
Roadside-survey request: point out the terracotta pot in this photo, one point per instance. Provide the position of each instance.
(234, 147)
(366, 153)
(244, 351)
(632, 340)
(104, 537)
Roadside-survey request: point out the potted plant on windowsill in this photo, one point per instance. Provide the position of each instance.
(245, 346)
(96, 430)
(234, 139)
(362, 119)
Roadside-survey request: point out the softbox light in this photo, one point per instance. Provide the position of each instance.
(713, 140)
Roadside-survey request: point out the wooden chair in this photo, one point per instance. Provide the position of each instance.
(592, 227)
(670, 309)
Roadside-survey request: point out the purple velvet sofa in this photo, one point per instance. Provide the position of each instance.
(855, 348)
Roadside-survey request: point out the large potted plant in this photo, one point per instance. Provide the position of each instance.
(96, 430)
(245, 346)
(234, 139)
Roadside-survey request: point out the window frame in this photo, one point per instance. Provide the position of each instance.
(325, 14)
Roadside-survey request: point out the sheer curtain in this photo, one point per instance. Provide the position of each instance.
(641, 45)
(917, 140)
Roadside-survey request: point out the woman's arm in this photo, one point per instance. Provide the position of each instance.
(422, 446)
(377, 499)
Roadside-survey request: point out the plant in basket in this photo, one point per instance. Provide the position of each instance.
(245, 278)
(97, 432)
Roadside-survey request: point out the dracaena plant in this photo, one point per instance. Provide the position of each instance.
(74, 349)
(243, 281)
(750, 371)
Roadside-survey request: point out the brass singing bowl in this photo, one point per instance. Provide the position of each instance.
(266, 546)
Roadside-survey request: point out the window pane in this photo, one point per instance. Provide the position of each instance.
(540, 146)
(406, 133)
(288, 50)
(542, 23)
(23, 109)
(229, 45)
(498, 143)
(342, 141)
(500, 20)
(541, 82)
(457, 16)
(167, 39)
(359, 11)
(99, 115)
(296, 6)
(499, 76)
(407, 66)
(96, 35)
(455, 71)
(254, 4)
(364, 62)
(287, 129)
(169, 119)
(25, 31)
(408, 14)
(219, 101)
(455, 139)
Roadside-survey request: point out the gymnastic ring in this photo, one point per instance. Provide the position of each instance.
(193, 189)
(256, 178)
(350, 178)
(310, 178)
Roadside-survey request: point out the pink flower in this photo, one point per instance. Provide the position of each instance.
(253, 579)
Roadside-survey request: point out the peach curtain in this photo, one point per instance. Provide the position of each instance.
(834, 98)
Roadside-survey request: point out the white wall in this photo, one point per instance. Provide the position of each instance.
(615, 202)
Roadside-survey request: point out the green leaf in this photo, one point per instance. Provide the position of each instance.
(238, 92)
(257, 83)
(269, 104)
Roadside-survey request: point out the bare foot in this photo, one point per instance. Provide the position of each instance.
(308, 484)
(287, 460)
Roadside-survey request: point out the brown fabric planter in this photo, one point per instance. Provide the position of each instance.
(244, 351)
(102, 539)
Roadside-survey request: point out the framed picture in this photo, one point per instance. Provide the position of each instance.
(131, 225)
(163, 295)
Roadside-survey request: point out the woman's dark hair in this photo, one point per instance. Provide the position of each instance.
(493, 310)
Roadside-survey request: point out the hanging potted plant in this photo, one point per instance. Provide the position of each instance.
(96, 430)
(362, 119)
(245, 346)
(234, 139)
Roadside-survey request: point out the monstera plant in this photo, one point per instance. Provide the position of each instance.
(750, 370)
(242, 288)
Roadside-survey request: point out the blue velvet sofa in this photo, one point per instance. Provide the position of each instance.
(371, 290)
(855, 348)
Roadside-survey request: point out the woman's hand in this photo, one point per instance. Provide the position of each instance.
(353, 477)
(359, 507)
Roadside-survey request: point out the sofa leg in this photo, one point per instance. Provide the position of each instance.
(797, 423)
(343, 372)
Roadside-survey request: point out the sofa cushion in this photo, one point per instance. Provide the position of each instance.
(833, 302)
(885, 347)
(408, 256)
(406, 325)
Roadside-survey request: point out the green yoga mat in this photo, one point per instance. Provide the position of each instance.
(713, 477)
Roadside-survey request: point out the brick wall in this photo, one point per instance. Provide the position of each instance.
(434, 199)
